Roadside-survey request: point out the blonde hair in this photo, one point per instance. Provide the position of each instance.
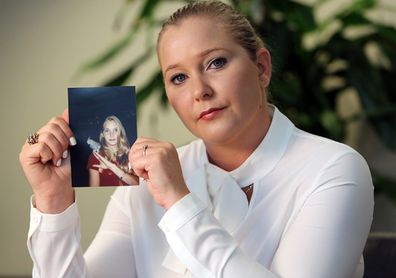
(121, 154)
(235, 23)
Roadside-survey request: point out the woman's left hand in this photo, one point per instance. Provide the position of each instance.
(107, 164)
(159, 165)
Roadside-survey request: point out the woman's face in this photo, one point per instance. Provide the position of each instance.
(213, 85)
(111, 133)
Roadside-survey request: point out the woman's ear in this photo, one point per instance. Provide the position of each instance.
(264, 66)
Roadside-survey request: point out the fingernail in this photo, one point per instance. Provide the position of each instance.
(59, 162)
(64, 155)
(73, 141)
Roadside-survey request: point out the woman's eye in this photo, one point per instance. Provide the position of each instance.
(178, 79)
(217, 63)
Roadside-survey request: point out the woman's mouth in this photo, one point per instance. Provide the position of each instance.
(210, 113)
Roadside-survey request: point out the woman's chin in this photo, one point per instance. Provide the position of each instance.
(220, 135)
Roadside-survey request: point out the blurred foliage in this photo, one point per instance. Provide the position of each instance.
(307, 55)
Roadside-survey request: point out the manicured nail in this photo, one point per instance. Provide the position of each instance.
(73, 141)
(65, 153)
(58, 163)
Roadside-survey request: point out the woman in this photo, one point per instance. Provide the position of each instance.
(253, 197)
(109, 166)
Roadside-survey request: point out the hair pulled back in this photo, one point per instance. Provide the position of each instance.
(230, 19)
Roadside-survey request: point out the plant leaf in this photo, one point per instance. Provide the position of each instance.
(149, 88)
(148, 9)
(108, 54)
(120, 78)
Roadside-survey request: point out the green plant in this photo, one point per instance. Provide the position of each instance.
(301, 70)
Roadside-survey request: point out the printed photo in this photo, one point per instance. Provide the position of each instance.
(103, 120)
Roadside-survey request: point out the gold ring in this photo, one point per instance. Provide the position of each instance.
(145, 147)
(33, 138)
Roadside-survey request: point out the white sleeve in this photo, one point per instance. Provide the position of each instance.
(325, 240)
(327, 237)
(203, 245)
(54, 245)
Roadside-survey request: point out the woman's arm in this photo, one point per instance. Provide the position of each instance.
(130, 179)
(94, 178)
(121, 174)
(326, 239)
(54, 245)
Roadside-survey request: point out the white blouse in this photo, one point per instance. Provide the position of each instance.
(309, 217)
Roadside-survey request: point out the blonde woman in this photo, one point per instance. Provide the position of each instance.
(253, 197)
(109, 165)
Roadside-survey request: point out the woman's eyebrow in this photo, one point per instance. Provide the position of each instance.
(201, 54)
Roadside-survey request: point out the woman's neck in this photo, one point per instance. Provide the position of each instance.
(231, 155)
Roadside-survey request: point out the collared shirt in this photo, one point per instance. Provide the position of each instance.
(309, 216)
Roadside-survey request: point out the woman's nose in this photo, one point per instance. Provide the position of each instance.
(202, 89)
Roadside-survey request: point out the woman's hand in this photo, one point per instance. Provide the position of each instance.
(46, 165)
(159, 165)
(128, 178)
(107, 164)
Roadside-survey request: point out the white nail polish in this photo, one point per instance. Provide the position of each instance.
(73, 141)
(65, 153)
(59, 162)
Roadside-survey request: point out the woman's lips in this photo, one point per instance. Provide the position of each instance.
(210, 113)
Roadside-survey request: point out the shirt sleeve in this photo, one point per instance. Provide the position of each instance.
(54, 245)
(326, 238)
(203, 245)
(92, 160)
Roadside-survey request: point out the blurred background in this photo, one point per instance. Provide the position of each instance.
(334, 63)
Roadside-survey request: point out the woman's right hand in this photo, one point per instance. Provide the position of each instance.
(46, 165)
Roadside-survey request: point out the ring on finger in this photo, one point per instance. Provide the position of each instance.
(144, 149)
(33, 138)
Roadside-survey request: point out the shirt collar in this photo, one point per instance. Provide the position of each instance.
(266, 155)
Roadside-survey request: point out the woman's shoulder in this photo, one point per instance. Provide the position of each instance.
(92, 160)
(309, 143)
(326, 157)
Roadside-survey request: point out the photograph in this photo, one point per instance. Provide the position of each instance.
(103, 120)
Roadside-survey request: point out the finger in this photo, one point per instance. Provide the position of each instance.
(65, 115)
(57, 132)
(141, 141)
(97, 155)
(98, 167)
(31, 154)
(50, 140)
(141, 173)
(138, 146)
(45, 154)
(64, 126)
(100, 158)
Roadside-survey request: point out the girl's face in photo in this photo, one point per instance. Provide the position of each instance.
(111, 133)
(210, 80)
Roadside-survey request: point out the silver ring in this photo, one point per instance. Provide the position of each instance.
(145, 147)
